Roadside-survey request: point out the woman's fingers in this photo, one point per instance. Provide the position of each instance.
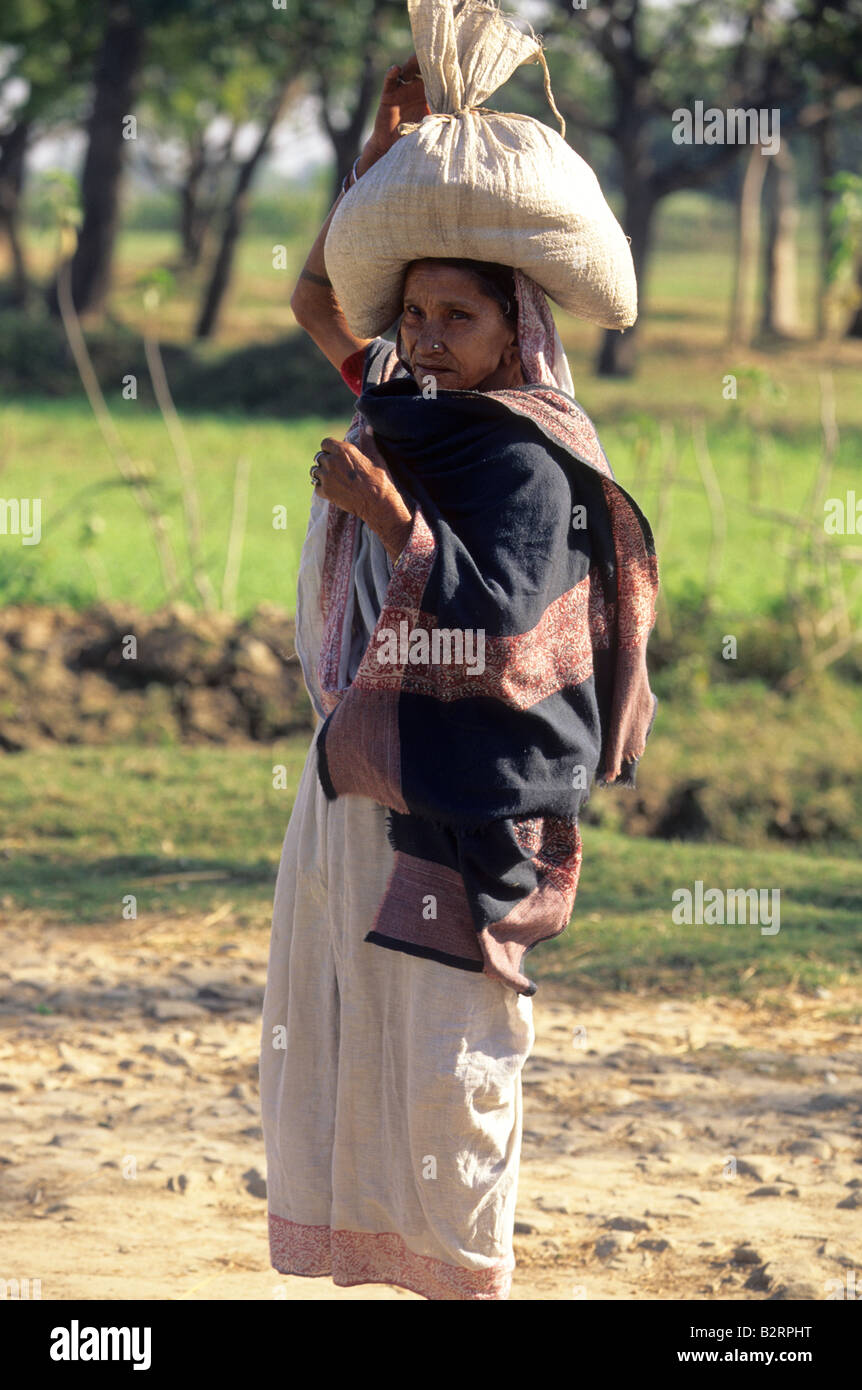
(410, 69)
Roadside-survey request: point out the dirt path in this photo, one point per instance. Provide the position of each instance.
(672, 1149)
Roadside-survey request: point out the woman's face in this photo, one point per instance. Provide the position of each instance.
(476, 347)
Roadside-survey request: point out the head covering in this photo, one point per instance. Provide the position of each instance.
(543, 359)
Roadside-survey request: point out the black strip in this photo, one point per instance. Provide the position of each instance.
(323, 766)
(428, 952)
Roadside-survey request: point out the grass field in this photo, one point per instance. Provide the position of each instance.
(95, 542)
(190, 830)
(764, 445)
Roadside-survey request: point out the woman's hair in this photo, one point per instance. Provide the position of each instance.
(496, 281)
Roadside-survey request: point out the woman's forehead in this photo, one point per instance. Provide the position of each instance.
(439, 280)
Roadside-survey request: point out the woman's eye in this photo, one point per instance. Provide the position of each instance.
(411, 309)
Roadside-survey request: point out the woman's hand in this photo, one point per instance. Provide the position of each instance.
(402, 100)
(358, 481)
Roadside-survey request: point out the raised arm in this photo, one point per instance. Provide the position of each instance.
(313, 301)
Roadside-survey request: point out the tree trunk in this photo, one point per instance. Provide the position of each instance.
(345, 139)
(234, 217)
(12, 153)
(780, 304)
(192, 223)
(618, 352)
(747, 247)
(855, 329)
(114, 83)
(825, 140)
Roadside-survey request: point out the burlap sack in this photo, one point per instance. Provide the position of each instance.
(485, 185)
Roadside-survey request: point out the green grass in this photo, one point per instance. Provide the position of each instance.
(95, 540)
(83, 828)
(96, 543)
(53, 448)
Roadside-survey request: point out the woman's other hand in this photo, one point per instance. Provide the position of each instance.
(313, 301)
(358, 481)
(400, 100)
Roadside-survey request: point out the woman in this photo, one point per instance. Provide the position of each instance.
(474, 597)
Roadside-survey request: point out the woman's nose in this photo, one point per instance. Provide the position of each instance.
(430, 337)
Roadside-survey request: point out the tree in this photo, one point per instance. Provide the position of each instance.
(208, 74)
(824, 43)
(114, 90)
(13, 145)
(657, 62)
(348, 61)
(780, 313)
(342, 64)
(234, 215)
(46, 51)
(747, 247)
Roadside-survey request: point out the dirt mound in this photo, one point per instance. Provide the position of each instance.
(114, 673)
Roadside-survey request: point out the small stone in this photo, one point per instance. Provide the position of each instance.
(825, 1101)
(815, 1148)
(830, 1251)
(775, 1189)
(758, 1166)
(179, 1182)
(608, 1246)
(746, 1255)
(166, 1009)
(255, 1183)
(851, 1202)
(656, 1243)
(523, 1228)
(172, 1057)
(627, 1223)
(796, 1291)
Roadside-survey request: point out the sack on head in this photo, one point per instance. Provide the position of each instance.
(480, 184)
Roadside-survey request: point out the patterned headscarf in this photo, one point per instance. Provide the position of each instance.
(543, 359)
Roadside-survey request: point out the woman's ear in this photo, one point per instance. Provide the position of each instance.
(399, 349)
(512, 351)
